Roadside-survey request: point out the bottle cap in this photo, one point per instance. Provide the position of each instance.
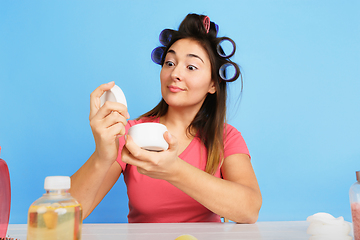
(57, 182)
(358, 176)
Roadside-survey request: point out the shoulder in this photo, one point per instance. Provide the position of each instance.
(230, 131)
(234, 142)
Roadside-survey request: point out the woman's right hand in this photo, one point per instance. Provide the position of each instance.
(107, 124)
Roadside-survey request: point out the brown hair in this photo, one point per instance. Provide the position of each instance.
(210, 121)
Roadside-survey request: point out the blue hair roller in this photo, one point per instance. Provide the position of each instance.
(220, 49)
(165, 37)
(157, 55)
(228, 72)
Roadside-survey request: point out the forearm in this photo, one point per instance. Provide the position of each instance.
(229, 199)
(86, 182)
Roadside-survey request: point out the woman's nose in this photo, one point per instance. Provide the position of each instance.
(176, 73)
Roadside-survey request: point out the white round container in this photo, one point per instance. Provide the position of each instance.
(149, 136)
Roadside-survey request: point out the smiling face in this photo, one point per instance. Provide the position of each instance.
(186, 75)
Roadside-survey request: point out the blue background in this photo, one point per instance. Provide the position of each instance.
(299, 112)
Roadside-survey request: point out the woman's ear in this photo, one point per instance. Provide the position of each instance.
(212, 88)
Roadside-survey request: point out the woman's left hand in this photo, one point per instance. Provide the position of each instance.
(160, 165)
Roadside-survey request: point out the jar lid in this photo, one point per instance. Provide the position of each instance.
(57, 182)
(115, 94)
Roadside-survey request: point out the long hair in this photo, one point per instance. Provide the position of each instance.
(210, 120)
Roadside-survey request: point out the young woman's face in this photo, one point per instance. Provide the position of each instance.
(186, 74)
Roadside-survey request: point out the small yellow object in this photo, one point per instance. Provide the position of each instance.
(186, 237)
(50, 219)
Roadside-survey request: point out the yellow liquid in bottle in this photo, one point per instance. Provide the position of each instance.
(55, 221)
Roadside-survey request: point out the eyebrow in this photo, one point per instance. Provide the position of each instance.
(188, 55)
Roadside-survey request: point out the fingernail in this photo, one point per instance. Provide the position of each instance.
(127, 115)
(110, 82)
(125, 136)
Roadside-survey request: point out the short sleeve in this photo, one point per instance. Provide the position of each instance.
(234, 142)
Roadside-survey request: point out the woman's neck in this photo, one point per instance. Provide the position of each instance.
(178, 120)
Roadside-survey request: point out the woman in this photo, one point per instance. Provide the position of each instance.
(206, 172)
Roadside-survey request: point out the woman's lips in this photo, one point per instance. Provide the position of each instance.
(175, 89)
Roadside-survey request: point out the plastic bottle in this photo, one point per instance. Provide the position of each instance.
(56, 215)
(354, 194)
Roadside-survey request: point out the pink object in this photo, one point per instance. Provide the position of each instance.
(155, 200)
(206, 23)
(355, 212)
(5, 197)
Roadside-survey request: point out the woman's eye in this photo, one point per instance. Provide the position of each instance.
(169, 63)
(191, 67)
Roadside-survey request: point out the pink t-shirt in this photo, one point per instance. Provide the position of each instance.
(155, 200)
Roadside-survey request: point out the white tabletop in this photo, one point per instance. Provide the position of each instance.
(202, 231)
